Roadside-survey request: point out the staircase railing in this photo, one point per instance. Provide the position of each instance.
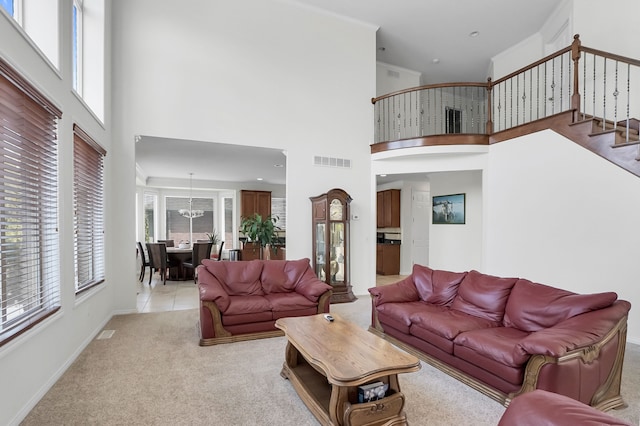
(545, 88)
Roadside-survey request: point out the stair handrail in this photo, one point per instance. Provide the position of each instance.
(570, 82)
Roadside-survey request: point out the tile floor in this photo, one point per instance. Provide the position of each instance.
(179, 295)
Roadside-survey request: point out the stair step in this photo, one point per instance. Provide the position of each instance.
(621, 144)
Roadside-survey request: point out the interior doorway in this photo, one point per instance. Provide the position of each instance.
(420, 213)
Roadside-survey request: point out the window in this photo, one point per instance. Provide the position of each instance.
(88, 207)
(179, 226)
(88, 52)
(29, 264)
(150, 202)
(279, 210)
(76, 48)
(13, 8)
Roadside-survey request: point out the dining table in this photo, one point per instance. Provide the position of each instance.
(178, 256)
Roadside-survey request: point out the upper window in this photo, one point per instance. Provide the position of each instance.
(13, 8)
(88, 53)
(88, 206)
(76, 48)
(29, 263)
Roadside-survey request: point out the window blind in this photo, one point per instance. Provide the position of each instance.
(88, 202)
(29, 264)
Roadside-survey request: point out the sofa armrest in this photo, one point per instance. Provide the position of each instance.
(594, 341)
(311, 287)
(211, 289)
(402, 291)
(577, 332)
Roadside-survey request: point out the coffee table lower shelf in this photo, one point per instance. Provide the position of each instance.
(332, 404)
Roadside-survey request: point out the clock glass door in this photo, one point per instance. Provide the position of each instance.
(337, 252)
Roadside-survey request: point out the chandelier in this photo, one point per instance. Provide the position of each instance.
(190, 213)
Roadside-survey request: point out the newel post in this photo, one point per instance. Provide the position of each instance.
(489, 128)
(575, 55)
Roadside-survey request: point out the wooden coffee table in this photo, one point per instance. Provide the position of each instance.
(327, 361)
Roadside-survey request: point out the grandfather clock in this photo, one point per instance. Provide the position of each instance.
(330, 227)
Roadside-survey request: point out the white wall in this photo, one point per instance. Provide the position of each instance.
(390, 78)
(458, 247)
(563, 216)
(31, 363)
(261, 73)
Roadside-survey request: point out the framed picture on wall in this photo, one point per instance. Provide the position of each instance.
(449, 209)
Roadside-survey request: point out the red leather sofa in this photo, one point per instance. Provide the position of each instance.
(550, 409)
(242, 300)
(508, 336)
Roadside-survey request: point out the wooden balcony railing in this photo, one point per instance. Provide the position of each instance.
(588, 82)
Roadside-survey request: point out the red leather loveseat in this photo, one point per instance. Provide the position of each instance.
(508, 336)
(550, 409)
(242, 300)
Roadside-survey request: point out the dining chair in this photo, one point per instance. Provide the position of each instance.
(220, 250)
(169, 243)
(200, 251)
(158, 260)
(144, 263)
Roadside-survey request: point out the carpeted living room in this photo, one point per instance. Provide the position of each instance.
(476, 107)
(151, 370)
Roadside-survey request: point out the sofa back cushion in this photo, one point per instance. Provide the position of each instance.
(435, 286)
(281, 276)
(483, 295)
(532, 306)
(238, 278)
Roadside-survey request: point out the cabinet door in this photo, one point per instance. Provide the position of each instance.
(394, 211)
(319, 210)
(380, 209)
(252, 202)
(379, 258)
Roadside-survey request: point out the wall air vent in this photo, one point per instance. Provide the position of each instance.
(392, 73)
(331, 162)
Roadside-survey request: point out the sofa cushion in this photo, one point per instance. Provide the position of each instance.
(436, 286)
(532, 306)
(281, 276)
(403, 312)
(247, 305)
(401, 291)
(288, 301)
(449, 323)
(499, 344)
(237, 278)
(484, 296)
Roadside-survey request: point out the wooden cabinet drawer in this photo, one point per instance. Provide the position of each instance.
(370, 413)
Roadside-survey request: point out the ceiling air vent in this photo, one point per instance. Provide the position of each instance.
(331, 162)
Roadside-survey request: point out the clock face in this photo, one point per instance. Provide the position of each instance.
(335, 210)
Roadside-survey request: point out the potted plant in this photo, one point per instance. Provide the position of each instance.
(261, 231)
(214, 239)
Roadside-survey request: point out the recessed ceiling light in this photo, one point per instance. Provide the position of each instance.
(474, 33)
(436, 61)
(258, 178)
(383, 175)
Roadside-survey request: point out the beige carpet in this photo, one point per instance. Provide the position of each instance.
(152, 372)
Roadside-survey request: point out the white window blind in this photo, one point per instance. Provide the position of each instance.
(88, 203)
(29, 264)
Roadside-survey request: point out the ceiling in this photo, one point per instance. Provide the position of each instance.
(174, 159)
(411, 34)
(414, 33)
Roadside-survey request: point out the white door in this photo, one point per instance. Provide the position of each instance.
(420, 214)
